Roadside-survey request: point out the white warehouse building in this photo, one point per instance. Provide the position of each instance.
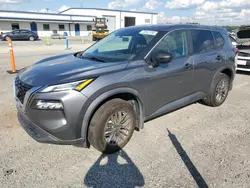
(73, 21)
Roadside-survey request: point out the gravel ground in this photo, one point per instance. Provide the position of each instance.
(196, 146)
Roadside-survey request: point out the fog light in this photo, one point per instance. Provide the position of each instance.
(49, 105)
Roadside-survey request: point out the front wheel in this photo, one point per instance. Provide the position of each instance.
(7, 38)
(219, 91)
(112, 126)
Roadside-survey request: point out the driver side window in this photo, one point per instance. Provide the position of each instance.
(175, 43)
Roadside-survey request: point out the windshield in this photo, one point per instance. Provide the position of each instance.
(121, 45)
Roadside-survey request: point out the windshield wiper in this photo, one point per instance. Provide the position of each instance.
(93, 58)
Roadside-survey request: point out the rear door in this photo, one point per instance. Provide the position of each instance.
(25, 34)
(208, 56)
(169, 82)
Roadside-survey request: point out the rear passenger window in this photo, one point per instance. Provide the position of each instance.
(174, 43)
(202, 40)
(219, 40)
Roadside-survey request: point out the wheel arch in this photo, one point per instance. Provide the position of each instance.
(128, 94)
(228, 71)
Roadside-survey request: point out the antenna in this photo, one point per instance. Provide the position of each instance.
(81, 3)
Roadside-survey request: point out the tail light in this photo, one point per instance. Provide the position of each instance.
(236, 50)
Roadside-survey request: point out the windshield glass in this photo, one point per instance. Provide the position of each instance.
(121, 45)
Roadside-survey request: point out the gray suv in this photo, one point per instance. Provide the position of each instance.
(101, 95)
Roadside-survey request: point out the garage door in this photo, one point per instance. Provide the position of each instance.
(110, 21)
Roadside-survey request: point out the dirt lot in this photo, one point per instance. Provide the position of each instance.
(205, 147)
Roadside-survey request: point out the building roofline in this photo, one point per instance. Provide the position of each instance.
(110, 10)
(54, 14)
(45, 20)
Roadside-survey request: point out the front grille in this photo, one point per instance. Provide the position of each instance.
(21, 89)
(244, 54)
(244, 66)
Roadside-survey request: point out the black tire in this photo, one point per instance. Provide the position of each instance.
(99, 122)
(31, 38)
(6, 38)
(93, 38)
(211, 99)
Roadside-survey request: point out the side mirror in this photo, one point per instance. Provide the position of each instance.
(161, 57)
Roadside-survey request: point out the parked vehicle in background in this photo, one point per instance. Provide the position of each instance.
(20, 34)
(56, 35)
(100, 29)
(101, 95)
(243, 44)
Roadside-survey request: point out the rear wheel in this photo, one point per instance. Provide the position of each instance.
(219, 91)
(94, 39)
(112, 126)
(31, 38)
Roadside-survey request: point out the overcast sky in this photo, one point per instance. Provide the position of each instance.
(212, 12)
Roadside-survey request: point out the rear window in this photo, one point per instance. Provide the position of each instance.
(202, 40)
(219, 40)
(244, 34)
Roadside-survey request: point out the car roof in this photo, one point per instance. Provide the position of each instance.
(169, 27)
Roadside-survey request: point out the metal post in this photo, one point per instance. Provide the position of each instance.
(47, 41)
(67, 43)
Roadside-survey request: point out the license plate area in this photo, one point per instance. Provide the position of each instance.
(241, 62)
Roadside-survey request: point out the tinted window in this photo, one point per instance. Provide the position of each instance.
(61, 28)
(175, 43)
(15, 26)
(89, 27)
(25, 32)
(46, 27)
(16, 32)
(202, 40)
(219, 40)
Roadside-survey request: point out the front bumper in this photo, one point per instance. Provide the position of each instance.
(42, 136)
(54, 126)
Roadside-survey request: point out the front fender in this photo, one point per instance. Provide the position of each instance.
(97, 101)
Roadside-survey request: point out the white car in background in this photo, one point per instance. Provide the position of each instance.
(243, 45)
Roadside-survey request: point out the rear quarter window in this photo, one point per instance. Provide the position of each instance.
(218, 39)
(202, 40)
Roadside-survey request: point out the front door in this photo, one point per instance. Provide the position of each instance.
(169, 82)
(77, 30)
(33, 27)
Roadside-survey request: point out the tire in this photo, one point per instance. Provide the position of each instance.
(102, 121)
(31, 38)
(7, 38)
(212, 99)
(93, 38)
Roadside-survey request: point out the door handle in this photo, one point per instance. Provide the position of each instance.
(218, 57)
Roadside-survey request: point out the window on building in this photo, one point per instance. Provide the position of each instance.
(219, 40)
(202, 40)
(147, 20)
(89, 27)
(15, 26)
(174, 43)
(46, 27)
(61, 27)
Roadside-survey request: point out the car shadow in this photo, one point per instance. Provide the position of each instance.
(187, 161)
(115, 170)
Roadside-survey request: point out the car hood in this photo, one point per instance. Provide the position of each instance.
(66, 68)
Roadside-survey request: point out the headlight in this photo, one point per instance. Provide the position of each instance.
(79, 85)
